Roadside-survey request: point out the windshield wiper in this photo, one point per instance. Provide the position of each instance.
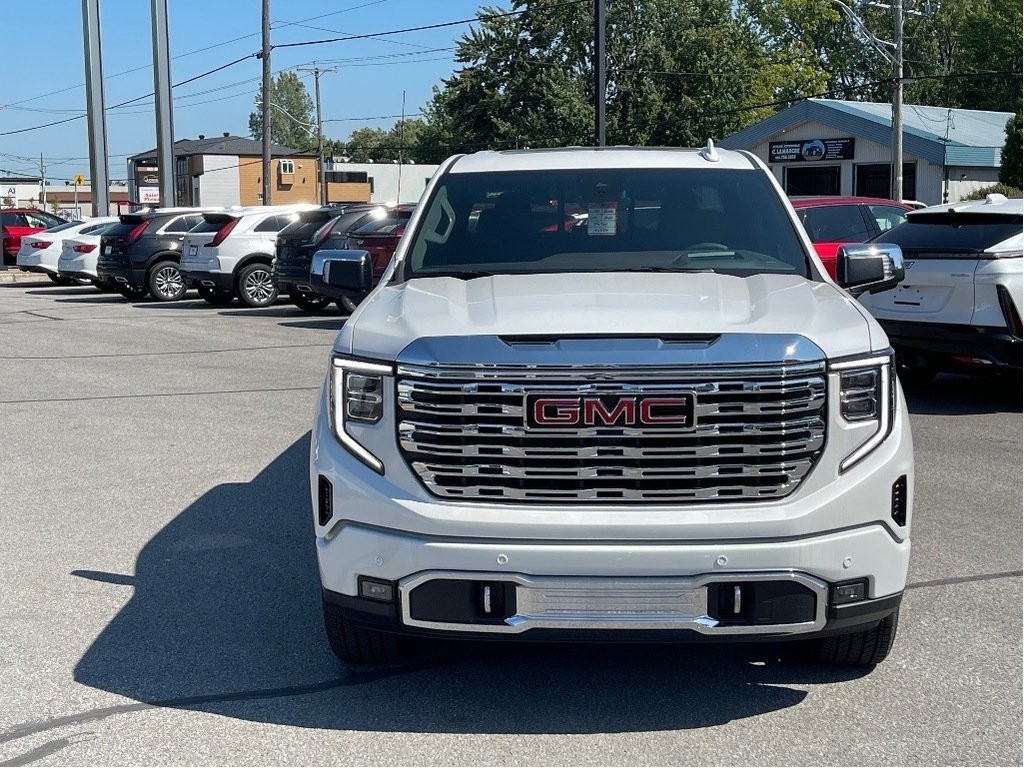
(664, 269)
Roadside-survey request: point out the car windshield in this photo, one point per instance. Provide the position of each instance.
(942, 234)
(672, 220)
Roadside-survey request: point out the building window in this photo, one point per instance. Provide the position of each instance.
(287, 167)
(874, 180)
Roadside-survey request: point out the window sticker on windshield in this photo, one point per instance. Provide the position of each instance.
(602, 218)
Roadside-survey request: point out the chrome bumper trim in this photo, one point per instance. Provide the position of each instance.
(554, 602)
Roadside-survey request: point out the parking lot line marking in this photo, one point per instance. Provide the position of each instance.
(965, 579)
(104, 355)
(145, 395)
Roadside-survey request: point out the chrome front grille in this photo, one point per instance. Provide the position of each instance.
(758, 431)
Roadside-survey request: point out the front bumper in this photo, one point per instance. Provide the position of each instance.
(957, 346)
(223, 282)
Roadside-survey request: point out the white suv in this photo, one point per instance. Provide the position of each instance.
(230, 253)
(959, 307)
(611, 394)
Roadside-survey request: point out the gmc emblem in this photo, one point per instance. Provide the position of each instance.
(675, 409)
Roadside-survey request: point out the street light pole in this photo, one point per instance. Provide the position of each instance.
(600, 83)
(319, 127)
(265, 55)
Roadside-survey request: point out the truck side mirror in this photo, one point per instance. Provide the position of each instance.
(347, 270)
(869, 268)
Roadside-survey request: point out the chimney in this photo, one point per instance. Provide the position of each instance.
(201, 137)
(226, 134)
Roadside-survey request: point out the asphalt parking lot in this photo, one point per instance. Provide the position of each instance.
(159, 600)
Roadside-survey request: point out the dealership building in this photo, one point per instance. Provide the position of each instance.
(827, 147)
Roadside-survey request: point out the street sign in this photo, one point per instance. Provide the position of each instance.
(79, 180)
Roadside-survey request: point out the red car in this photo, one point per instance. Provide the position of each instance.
(380, 235)
(15, 223)
(835, 221)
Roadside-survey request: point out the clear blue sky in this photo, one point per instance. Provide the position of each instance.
(42, 45)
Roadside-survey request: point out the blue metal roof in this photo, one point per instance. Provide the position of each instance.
(941, 136)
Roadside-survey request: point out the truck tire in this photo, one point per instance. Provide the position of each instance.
(130, 293)
(860, 649)
(347, 305)
(255, 286)
(914, 371)
(309, 302)
(359, 645)
(165, 281)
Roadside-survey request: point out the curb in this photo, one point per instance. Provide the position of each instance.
(17, 276)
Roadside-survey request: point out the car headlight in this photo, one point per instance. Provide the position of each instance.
(357, 397)
(867, 395)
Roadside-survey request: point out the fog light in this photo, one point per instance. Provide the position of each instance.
(371, 589)
(849, 593)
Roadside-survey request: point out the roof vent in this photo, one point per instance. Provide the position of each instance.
(709, 152)
(201, 137)
(994, 198)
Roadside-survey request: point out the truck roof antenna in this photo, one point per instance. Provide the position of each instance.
(709, 152)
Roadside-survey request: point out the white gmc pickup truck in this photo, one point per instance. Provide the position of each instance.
(611, 394)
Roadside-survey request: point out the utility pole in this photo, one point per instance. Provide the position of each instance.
(95, 108)
(401, 145)
(42, 183)
(319, 127)
(162, 101)
(897, 103)
(265, 55)
(600, 85)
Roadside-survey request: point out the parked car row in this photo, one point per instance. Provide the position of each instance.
(959, 307)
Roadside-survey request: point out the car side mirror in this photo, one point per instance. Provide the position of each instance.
(348, 270)
(869, 268)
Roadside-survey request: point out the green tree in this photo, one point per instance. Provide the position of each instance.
(1011, 155)
(678, 72)
(291, 116)
(366, 144)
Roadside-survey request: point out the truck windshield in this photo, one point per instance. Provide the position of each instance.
(673, 220)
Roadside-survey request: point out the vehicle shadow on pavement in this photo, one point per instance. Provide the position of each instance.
(955, 395)
(225, 618)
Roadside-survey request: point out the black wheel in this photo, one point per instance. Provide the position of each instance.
(859, 649)
(347, 305)
(130, 293)
(359, 645)
(102, 286)
(309, 302)
(215, 297)
(166, 282)
(255, 286)
(60, 279)
(913, 370)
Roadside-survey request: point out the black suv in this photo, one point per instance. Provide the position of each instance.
(325, 227)
(140, 254)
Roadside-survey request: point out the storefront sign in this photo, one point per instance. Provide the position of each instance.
(149, 194)
(811, 150)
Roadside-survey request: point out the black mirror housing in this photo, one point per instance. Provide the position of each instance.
(347, 270)
(869, 268)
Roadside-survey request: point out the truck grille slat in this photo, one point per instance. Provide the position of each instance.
(758, 431)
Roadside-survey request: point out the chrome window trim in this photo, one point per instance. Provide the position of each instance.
(700, 622)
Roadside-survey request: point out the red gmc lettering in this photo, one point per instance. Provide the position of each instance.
(556, 411)
(595, 409)
(649, 414)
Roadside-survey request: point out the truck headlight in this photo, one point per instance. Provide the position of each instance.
(867, 394)
(357, 397)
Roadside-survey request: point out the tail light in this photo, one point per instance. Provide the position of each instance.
(84, 248)
(222, 233)
(136, 232)
(41, 244)
(1010, 313)
(321, 234)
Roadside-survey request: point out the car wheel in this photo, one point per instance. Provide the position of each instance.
(859, 649)
(166, 282)
(215, 297)
(309, 302)
(130, 293)
(60, 279)
(256, 286)
(347, 305)
(360, 645)
(103, 287)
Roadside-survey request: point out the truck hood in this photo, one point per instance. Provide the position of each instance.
(608, 303)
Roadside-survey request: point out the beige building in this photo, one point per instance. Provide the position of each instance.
(227, 170)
